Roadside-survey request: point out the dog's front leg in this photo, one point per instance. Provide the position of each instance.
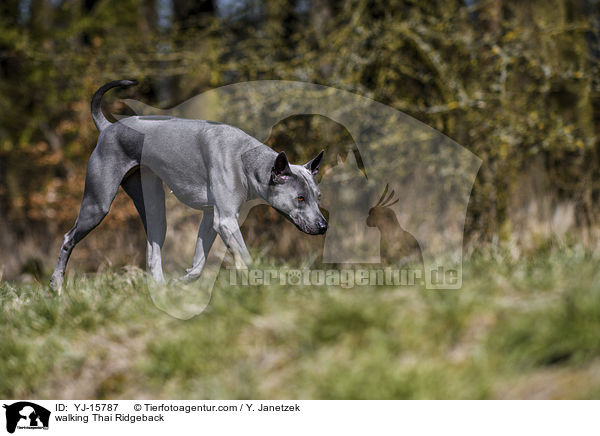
(206, 238)
(228, 229)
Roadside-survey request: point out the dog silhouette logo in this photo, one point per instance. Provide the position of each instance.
(26, 415)
(417, 225)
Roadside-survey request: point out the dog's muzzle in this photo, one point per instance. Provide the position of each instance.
(318, 228)
(321, 227)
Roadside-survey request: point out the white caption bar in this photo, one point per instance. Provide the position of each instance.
(247, 417)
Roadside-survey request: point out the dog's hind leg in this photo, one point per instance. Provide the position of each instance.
(146, 190)
(101, 184)
(206, 238)
(132, 185)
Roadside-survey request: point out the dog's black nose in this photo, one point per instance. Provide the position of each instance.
(322, 227)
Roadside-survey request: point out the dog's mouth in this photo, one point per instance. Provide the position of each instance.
(303, 227)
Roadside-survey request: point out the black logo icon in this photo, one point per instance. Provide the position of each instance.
(26, 415)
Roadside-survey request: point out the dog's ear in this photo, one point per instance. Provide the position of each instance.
(281, 169)
(313, 165)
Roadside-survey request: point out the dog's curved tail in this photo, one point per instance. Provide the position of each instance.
(99, 119)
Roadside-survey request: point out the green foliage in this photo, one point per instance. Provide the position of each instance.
(514, 82)
(508, 80)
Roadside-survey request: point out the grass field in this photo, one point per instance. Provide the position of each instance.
(517, 329)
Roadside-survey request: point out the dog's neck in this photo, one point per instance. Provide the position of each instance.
(258, 163)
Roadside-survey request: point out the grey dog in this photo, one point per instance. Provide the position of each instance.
(208, 166)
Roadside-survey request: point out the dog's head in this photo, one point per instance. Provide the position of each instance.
(294, 193)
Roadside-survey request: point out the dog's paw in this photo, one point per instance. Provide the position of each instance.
(190, 277)
(56, 283)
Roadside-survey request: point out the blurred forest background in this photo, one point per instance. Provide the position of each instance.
(517, 83)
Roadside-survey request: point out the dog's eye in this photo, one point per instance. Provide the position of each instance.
(301, 198)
